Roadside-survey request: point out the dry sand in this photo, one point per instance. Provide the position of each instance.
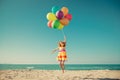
(58, 75)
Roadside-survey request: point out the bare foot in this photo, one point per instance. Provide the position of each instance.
(63, 71)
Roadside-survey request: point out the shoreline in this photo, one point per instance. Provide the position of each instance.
(32, 74)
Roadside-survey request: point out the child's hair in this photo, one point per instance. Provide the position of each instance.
(64, 44)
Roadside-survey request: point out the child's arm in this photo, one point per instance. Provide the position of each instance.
(64, 38)
(54, 50)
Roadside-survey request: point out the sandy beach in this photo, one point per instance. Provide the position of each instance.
(58, 75)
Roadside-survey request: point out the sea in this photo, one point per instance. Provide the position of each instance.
(56, 66)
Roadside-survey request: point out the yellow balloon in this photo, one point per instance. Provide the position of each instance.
(51, 16)
(60, 26)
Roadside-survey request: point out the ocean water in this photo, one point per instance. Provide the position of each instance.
(56, 66)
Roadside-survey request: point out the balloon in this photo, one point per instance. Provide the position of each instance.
(49, 24)
(59, 14)
(64, 21)
(51, 16)
(64, 10)
(58, 18)
(60, 26)
(68, 16)
(55, 9)
(55, 24)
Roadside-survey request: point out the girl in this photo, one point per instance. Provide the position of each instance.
(62, 56)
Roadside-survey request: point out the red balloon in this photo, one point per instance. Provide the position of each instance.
(68, 16)
(49, 24)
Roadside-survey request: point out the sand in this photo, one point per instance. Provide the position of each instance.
(58, 75)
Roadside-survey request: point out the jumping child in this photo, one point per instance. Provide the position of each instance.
(62, 56)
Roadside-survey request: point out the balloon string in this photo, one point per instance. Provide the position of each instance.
(63, 32)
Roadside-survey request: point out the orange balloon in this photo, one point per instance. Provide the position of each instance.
(64, 21)
(49, 24)
(64, 10)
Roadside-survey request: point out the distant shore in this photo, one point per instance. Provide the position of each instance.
(29, 74)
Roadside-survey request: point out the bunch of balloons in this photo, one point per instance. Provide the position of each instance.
(58, 18)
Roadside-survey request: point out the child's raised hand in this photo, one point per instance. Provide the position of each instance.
(64, 38)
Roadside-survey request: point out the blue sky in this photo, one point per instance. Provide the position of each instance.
(93, 35)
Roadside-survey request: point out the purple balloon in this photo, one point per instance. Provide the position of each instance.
(59, 14)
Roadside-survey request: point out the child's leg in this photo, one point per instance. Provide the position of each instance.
(63, 66)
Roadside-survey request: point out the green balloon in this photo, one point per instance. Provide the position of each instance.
(55, 9)
(55, 24)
